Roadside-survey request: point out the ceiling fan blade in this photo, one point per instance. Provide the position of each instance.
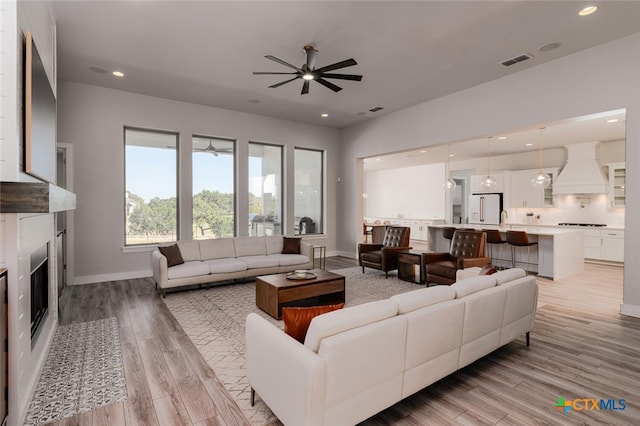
(343, 64)
(305, 88)
(267, 73)
(328, 84)
(343, 76)
(280, 61)
(273, 86)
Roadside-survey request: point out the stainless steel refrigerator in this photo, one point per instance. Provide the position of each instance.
(485, 209)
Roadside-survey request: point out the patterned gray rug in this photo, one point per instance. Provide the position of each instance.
(214, 321)
(83, 371)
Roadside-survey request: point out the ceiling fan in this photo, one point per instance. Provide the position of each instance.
(212, 149)
(309, 72)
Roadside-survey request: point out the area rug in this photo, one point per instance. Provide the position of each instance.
(214, 320)
(83, 371)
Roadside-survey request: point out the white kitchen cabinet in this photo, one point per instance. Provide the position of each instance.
(522, 194)
(500, 186)
(604, 245)
(613, 246)
(617, 184)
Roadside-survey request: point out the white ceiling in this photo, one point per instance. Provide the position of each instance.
(408, 52)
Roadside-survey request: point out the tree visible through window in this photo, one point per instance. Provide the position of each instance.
(213, 188)
(150, 186)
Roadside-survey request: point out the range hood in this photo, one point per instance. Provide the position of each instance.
(582, 173)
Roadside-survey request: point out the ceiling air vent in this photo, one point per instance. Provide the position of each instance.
(376, 109)
(517, 59)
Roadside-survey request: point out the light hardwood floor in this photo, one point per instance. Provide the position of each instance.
(581, 347)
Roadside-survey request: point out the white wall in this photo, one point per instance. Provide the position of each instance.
(406, 193)
(602, 78)
(92, 120)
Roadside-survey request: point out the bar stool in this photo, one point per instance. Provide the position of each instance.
(447, 233)
(494, 237)
(519, 239)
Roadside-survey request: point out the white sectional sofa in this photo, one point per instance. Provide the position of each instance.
(207, 261)
(357, 361)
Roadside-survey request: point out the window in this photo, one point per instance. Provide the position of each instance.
(150, 186)
(308, 182)
(213, 187)
(265, 189)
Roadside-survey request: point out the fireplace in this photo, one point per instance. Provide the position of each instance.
(39, 288)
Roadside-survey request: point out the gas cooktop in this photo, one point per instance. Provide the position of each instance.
(591, 225)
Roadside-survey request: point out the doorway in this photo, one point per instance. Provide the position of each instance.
(63, 222)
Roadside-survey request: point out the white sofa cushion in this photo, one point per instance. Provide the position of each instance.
(189, 249)
(188, 269)
(226, 265)
(291, 259)
(474, 284)
(250, 246)
(412, 300)
(335, 322)
(217, 248)
(254, 262)
(274, 244)
(509, 275)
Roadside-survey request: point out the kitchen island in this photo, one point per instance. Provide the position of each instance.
(560, 252)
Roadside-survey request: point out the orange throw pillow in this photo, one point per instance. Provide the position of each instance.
(297, 320)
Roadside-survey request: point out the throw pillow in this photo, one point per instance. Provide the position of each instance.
(172, 253)
(291, 245)
(488, 269)
(297, 320)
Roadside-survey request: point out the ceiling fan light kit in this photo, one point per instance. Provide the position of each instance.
(309, 72)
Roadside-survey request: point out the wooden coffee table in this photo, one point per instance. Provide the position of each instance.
(275, 291)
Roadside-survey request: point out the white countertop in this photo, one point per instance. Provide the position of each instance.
(531, 229)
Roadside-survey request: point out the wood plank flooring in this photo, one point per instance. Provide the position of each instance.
(581, 347)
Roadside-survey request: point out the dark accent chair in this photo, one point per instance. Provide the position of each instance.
(385, 256)
(467, 250)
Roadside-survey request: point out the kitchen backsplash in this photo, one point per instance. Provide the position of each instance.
(572, 208)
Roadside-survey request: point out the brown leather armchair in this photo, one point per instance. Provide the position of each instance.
(385, 256)
(467, 250)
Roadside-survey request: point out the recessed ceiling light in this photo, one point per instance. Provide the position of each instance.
(502, 138)
(118, 73)
(588, 10)
(613, 120)
(254, 101)
(98, 70)
(422, 151)
(548, 47)
(324, 115)
(528, 144)
(378, 159)
(452, 155)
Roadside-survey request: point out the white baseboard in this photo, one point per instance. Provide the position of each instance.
(92, 279)
(630, 310)
(349, 254)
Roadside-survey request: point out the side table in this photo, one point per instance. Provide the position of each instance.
(322, 258)
(407, 261)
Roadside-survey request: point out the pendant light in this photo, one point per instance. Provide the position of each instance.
(542, 180)
(449, 183)
(489, 181)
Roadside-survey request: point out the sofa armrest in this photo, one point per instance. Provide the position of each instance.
(471, 262)
(286, 375)
(305, 249)
(159, 267)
